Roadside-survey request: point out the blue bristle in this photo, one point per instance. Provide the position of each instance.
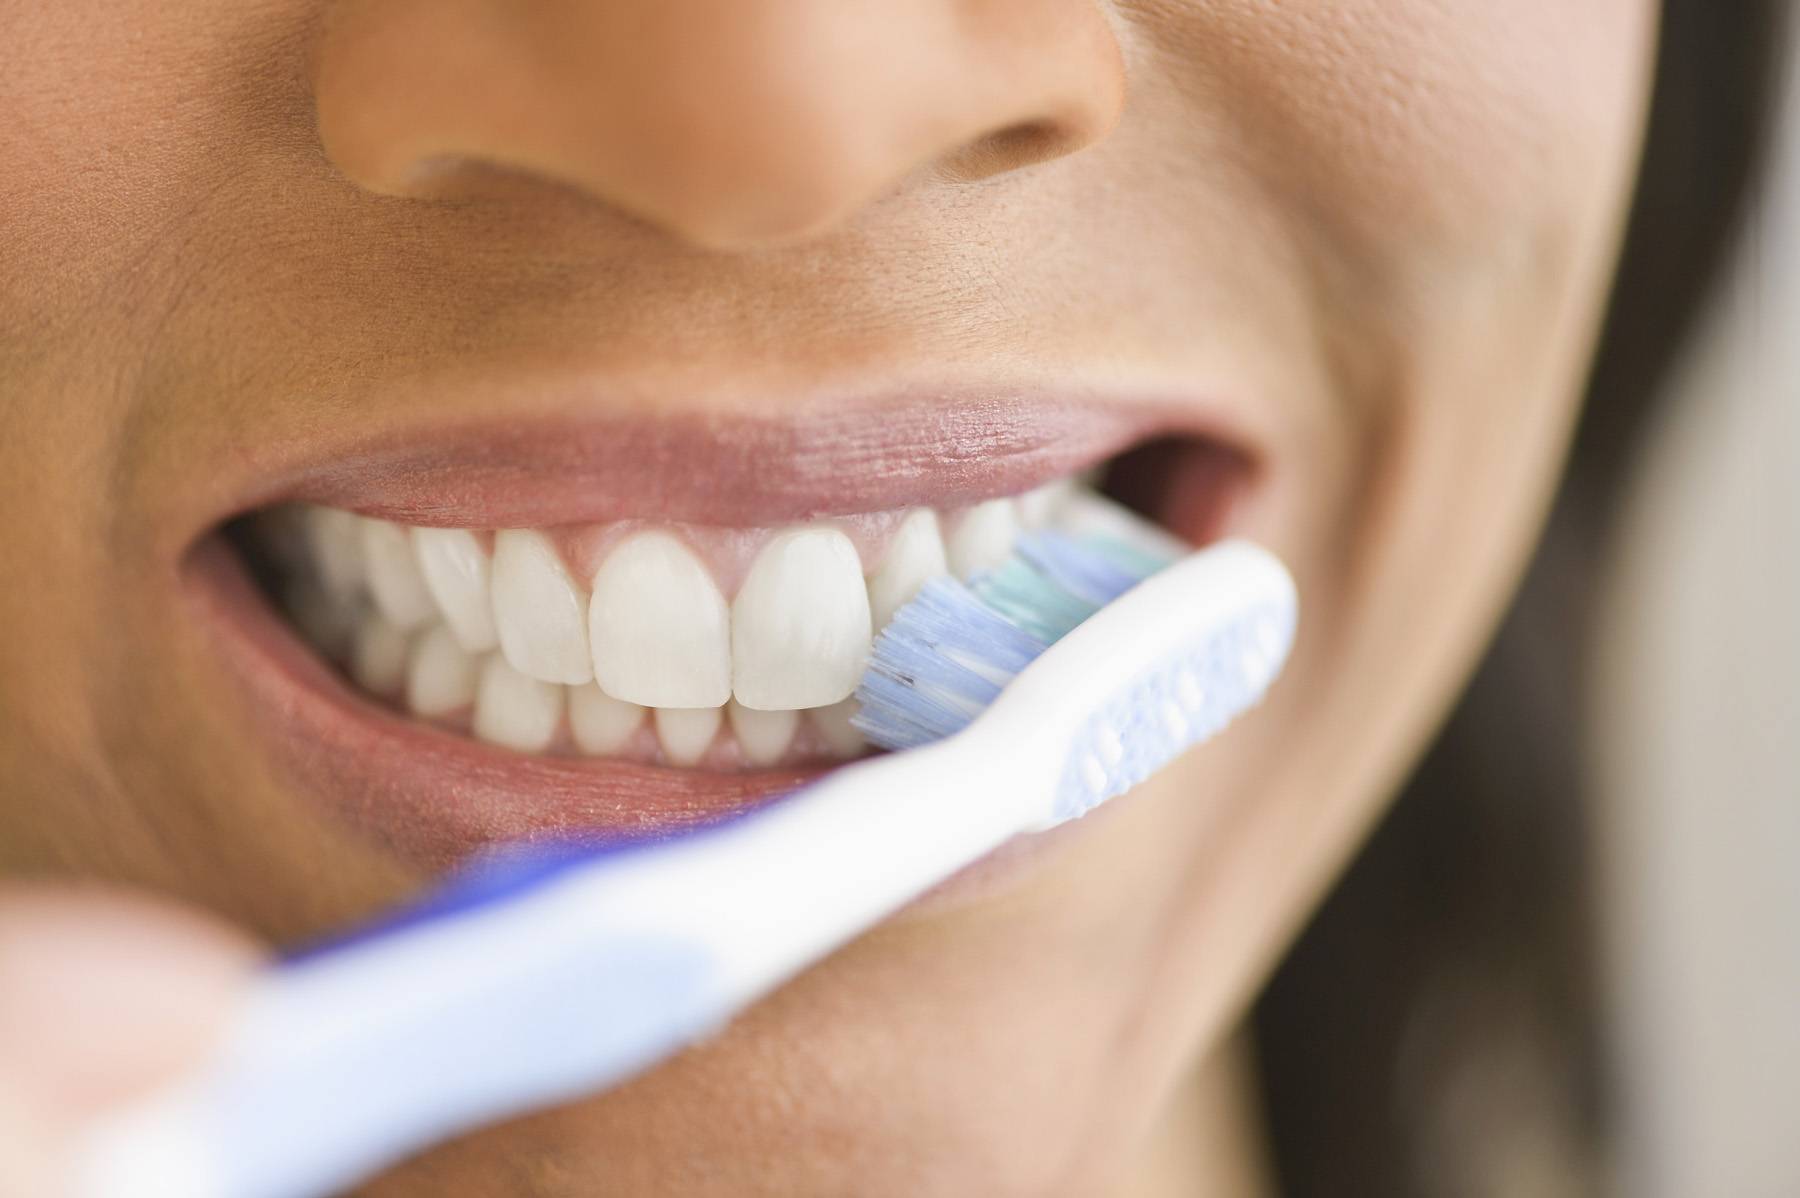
(1032, 600)
(946, 654)
(1098, 569)
(1125, 562)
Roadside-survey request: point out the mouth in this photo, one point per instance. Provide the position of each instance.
(629, 630)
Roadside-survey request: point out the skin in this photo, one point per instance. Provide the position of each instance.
(1386, 226)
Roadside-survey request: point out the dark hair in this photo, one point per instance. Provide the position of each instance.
(1434, 1029)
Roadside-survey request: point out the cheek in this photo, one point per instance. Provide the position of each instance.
(1415, 135)
(120, 122)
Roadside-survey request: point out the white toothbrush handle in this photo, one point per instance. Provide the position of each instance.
(553, 986)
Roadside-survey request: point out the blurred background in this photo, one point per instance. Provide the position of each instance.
(1696, 719)
(1567, 964)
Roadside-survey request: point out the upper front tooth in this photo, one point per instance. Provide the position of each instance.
(456, 573)
(659, 626)
(800, 622)
(915, 555)
(984, 537)
(393, 575)
(1040, 507)
(539, 612)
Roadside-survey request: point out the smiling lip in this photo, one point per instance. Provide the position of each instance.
(938, 447)
(430, 797)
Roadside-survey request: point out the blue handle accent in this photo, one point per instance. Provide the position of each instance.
(500, 874)
(507, 873)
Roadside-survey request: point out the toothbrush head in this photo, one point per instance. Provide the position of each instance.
(946, 654)
(1125, 657)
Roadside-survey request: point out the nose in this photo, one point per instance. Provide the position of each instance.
(728, 123)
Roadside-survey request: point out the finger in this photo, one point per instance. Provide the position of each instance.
(104, 995)
(25, 1149)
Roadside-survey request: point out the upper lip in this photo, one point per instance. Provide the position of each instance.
(561, 463)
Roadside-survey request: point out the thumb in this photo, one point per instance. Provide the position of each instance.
(103, 996)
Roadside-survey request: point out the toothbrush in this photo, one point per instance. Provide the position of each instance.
(1051, 684)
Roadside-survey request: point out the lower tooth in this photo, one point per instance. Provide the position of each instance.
(764, 736)
(515, 710)
(440, 674)
(835, 728)
(378, 655)
(687, 732)
(600, 723)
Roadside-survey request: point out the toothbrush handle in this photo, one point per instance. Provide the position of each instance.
(323, 1082)
(536, 981)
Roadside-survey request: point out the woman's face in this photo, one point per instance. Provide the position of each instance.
(665, 278)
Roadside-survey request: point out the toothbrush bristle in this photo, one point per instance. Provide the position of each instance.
(948, 652)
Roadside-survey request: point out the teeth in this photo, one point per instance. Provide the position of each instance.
(1087, 513)
(455, 570)
(983, 538)
(687, 732)
(835, 729)
(599, 722)
(763, 735)
(1042, 506)
(440, 674)
(393, 575)
(659, 627)
(430, 616)
(378, 655)
(515, 710)
(335, 539)
(539, 612)
(800, 622)
(915, 555)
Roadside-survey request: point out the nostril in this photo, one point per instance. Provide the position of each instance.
(1015, 146)
(464, 177)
